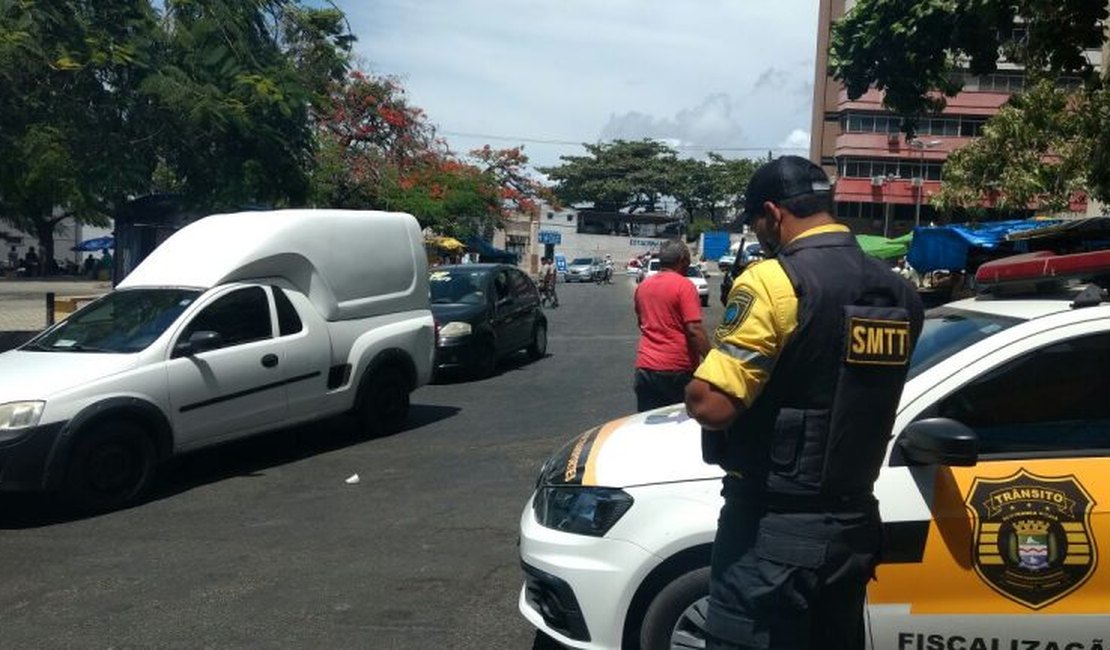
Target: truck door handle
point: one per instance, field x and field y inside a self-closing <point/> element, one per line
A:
<point x="270" y="360"/>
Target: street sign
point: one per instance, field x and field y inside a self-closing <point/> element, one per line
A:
<point x="550" y="237"/>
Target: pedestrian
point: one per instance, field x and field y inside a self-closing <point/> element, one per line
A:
<point x="672" y="338"/>
<point x="547" y="283"/>
<point x="13" y="259"/>
<point x="796" y="403"/>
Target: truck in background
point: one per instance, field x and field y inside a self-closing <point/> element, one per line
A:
<point x="235" y="325"/>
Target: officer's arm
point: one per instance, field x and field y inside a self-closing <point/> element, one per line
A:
<point x="711" y="407"/>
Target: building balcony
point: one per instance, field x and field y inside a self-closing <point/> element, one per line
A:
<point x="898" y="191"/>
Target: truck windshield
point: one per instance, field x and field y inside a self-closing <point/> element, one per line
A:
<point x="948" y="330"/>
<point x="120" y="322"/>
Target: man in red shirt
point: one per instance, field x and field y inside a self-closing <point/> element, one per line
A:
<point x="672" y="339"/>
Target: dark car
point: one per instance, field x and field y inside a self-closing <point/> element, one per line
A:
<point x="483" y="313"/>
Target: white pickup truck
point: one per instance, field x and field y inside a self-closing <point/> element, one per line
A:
<point x="236" y="324"/>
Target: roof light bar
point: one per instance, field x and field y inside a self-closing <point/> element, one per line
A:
<point x="1044" y="265"/>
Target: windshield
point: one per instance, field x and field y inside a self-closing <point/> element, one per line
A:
<point x="948" y="330"/>
<point x="653" y="265"/>
<point x="693" y="272"/>
<point x="120" y="322"/>
<point x="582" y="261"/>
<point x="458" y="286"/>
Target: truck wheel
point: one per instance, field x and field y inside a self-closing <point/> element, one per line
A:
<point x="676" y="617"/>
<point x="385" y="403"/>
<point x="538" y="348"/>
<point x="109" y="467"/>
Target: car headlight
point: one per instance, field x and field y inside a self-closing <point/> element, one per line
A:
<point x="454" y="329"/>
<point x="15" y="417"/>
<point x="580" y="510"/>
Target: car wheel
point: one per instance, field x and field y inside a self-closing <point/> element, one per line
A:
<point x="485" y="362"/>
<point x="675" y="620"/>
<point x="538" y="348"/>
<point x="109" y="467"/>
<point x="384" y="406"/>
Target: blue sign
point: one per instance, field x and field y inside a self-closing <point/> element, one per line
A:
<point x="560" y="263"/>
<point x="550" y="237"/>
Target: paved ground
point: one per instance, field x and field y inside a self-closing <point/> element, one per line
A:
<point x="263" y="544"/>
<point x="23" y="302"/>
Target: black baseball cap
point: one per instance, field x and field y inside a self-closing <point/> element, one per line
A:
<point x="780" y="179"/>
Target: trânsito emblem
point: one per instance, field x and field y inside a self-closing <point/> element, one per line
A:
<point x="1032" y="536"/>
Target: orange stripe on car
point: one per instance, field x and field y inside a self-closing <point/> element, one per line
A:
<point x="590" y="477"/>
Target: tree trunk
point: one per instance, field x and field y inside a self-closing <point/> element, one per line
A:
<point x="44" y="232"/>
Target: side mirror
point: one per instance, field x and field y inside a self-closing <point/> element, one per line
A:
<point x="199" y="341"/>
<point x="939" y="441"/>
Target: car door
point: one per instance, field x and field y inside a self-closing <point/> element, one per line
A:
<point x="1010" y="552"/>
<point x="505" y="317"/>
<point x="235" y="388"/>
<point x="526" y="304"/>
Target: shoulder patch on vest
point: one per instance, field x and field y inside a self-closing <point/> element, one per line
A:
<point x="736" y="310"/>
<point x="876" y="342"/>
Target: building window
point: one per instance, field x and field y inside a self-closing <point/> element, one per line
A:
<point x="550" y="215"/>
<point x="888" y="168"/>
<point x="570" y="218"/>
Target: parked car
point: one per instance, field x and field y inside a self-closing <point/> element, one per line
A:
<point x="651" y="268"/>
<point x="483" y="313"/>
<point x="583" y="269"/>
<point x="694" y="274"/>
<point x="995" y="494"/>
<point x="236" y="324"/>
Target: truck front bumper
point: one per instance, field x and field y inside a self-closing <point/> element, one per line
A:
<point x="24" y="460"/>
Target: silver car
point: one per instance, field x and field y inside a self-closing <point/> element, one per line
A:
<point x="582" y="269"/>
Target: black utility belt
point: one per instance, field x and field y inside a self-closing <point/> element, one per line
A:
<point x="820" y="503"/>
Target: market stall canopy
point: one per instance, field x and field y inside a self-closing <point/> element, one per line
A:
<point x="97" y="244"/>
<point x="947" y="247"/>
<point x="885" y="248"/>
<point x="445" y="243"/>
<point x="488" y="253"/>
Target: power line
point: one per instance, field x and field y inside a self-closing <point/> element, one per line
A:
<point x="699" y="147"/>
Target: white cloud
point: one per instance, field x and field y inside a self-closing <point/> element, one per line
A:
<point x="716" y="73"/>
<point x="797" y="140"/>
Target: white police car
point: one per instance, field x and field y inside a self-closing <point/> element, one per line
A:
<point x="995" y="494"/>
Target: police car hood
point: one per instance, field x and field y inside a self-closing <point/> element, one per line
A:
<point x="660" y="446"/>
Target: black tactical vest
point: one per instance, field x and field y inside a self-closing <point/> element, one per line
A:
<point x="817" y="434"/>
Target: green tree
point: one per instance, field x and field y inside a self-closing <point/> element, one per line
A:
<point x="1034" y="151"/>
<point x="916" y="51"/>
<point x="72" y="144"/>
<point x="619" y="175"/>
<point x="233" y="90"/>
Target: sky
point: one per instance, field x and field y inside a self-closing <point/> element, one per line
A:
<point x="733" y="76"/>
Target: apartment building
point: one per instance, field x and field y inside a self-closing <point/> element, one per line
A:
<point x="884" y="181"/>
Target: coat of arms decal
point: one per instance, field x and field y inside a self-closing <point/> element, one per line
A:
<point x="1032" y="536"/>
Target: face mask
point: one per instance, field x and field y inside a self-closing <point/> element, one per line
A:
<point x="770" y="236"/>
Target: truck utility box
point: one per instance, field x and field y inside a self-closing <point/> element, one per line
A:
<point x="236" y="324"/>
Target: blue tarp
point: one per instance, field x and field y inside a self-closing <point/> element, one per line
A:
<point x="946" y="247"/>
<point x="716" y="244"/>
<point x="487" y="252"/>
<point x="100" y="243"/>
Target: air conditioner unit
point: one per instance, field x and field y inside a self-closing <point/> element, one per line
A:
<point x="877" y="181"/>
<point x="918" y="181"/>
<point x="892" y="138"/>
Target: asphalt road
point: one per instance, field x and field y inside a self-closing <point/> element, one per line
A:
<point x="263" y="544"/>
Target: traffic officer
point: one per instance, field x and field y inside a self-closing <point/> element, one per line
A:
<point x="796" y="402"/>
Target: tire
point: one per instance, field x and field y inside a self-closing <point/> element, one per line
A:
<point x="705" y="300"/>
<point x="109" y="467"/>
<point x="485" y="365"/>
<point x="538" y="348"/>
<point x="676" y="617"/>
<point x="384" y="406"/>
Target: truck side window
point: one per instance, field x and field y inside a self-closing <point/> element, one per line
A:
<point x="289" y="322"/>
<point x="239" y="317"/>
<point x="1054" y="399"/>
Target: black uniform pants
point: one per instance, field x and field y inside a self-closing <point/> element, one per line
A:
<point x="659" y="388"/>
<point x="790" y="580"/>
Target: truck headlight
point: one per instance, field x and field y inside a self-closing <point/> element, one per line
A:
<point x="455" y="329"/>
<point x="580" y="510"/>
<point x="15" y="417"/>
